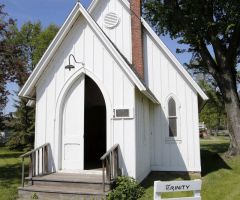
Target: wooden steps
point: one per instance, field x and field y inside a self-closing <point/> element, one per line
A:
<point x="65" y="186"/>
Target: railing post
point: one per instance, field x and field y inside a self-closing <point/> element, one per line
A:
<point x="35" y="159"/>
<point x="103" y="169"/>
<point x="30" y="166"/>
<point x="110" y="165"/>
<point x="113" y="165"/>
<point x="117" y="162"/>
<point x="22" y="171"/>
<point x="43" y="169"/>
<point x="107" y="169"/>
<point x="38" y="163"/>
<point x="46" y="159"/>
<point x="34" y="164"/>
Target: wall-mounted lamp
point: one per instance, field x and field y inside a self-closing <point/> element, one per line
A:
<point x="69" y="66"/>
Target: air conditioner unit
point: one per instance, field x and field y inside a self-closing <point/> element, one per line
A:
<point x="122" y="113"/>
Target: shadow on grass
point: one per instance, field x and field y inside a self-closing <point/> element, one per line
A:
<point x="10" y="179"/>
<point x="210" y="159"/>
<point x="10" y="173"/>
<point x="163" y="176"/>
<point x="211" y="162"/>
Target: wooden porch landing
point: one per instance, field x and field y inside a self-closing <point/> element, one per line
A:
<point x="65" y="186"/>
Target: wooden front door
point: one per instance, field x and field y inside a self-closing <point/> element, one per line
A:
<point x="73" y="127"/>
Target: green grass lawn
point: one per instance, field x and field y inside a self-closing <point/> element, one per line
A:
<point x="10" y="173"/>
<point x="221" y="176"/>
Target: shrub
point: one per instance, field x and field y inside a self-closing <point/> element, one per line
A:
<point x="126" y="188"/>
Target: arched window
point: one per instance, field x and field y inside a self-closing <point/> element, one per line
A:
<point x="172" y="117"/>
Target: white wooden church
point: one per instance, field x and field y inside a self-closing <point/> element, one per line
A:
<point x="107" y="79"/>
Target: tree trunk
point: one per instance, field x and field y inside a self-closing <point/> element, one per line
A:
<point x="232" y="106"/>
<point x="233" y="114"/>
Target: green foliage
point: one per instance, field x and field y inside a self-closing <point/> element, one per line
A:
<point x="192" y="21"/>
<point x="6" y="55"/>
<point x="213" y="114"/>
<point x="21" y="126"/>
<point x="42" y="41"/>
<point x="210" y="30"/>
<point x="24" y="39"/>
<point x="126" y="189"/>
<point x="34" y="196"/>
<point x="32" y="40"/>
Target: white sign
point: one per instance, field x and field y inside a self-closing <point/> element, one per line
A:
<point x="178" y="186"/>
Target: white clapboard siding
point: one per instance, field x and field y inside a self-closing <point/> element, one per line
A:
<point x="164" y="79"/>
<point x="143" y="137"/>
<point x="83" y="42"/>
<point x="121" y="35"/>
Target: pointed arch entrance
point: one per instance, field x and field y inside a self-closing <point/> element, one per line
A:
<point x="84" y="126"/>
<point x="94" y="125"/>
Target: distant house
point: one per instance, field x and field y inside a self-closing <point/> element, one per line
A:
<point x="203" y="130"/>
<point x="4" y="136"/>
<point x="108" y="79"/>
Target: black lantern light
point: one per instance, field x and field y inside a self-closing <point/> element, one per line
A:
<point x="69" y="66"/>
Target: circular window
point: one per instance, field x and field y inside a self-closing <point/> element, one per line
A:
<point x="111" y="20"/>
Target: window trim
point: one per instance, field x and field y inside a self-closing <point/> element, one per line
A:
<point x="168" y="138"/>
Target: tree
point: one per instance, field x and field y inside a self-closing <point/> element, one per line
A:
<point x="213" y="114"/>
<point x="21" y="125"/>
<point x="42" y="41"/>
<point x="211" y="29"/>
<point x="7" y="50"/>
<point x="32" y="40"/>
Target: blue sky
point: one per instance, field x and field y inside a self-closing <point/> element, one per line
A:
<point x="56" y="11"/>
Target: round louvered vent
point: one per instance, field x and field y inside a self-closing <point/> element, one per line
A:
<point x="111" y="20"/>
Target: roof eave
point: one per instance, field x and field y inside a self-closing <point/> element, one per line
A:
<point x="29" y="86"/>
<point x="94" y="3"/>
<point x="175" y="61"/>
<point x="26" y="90"/>
<point x="168" y="52"/>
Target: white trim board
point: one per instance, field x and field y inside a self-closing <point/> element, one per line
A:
<point x="95" y="2"/>
<point x="26" y="90"/>
<point x="174" y="60"/>
<point x="41" y="66"/>
<point x="164" y="48"/>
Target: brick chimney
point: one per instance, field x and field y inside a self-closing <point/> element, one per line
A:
<point x="137" y="43"/>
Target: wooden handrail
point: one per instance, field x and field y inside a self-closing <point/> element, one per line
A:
<point x="110" y="164"/>
<point x="36" y="156"/>
<point x="109" y="151"/>
<point x="34" y="150"/>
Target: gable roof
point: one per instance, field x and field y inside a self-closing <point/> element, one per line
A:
<point x="164" y="48"/>
<point x="29" y="86"/>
